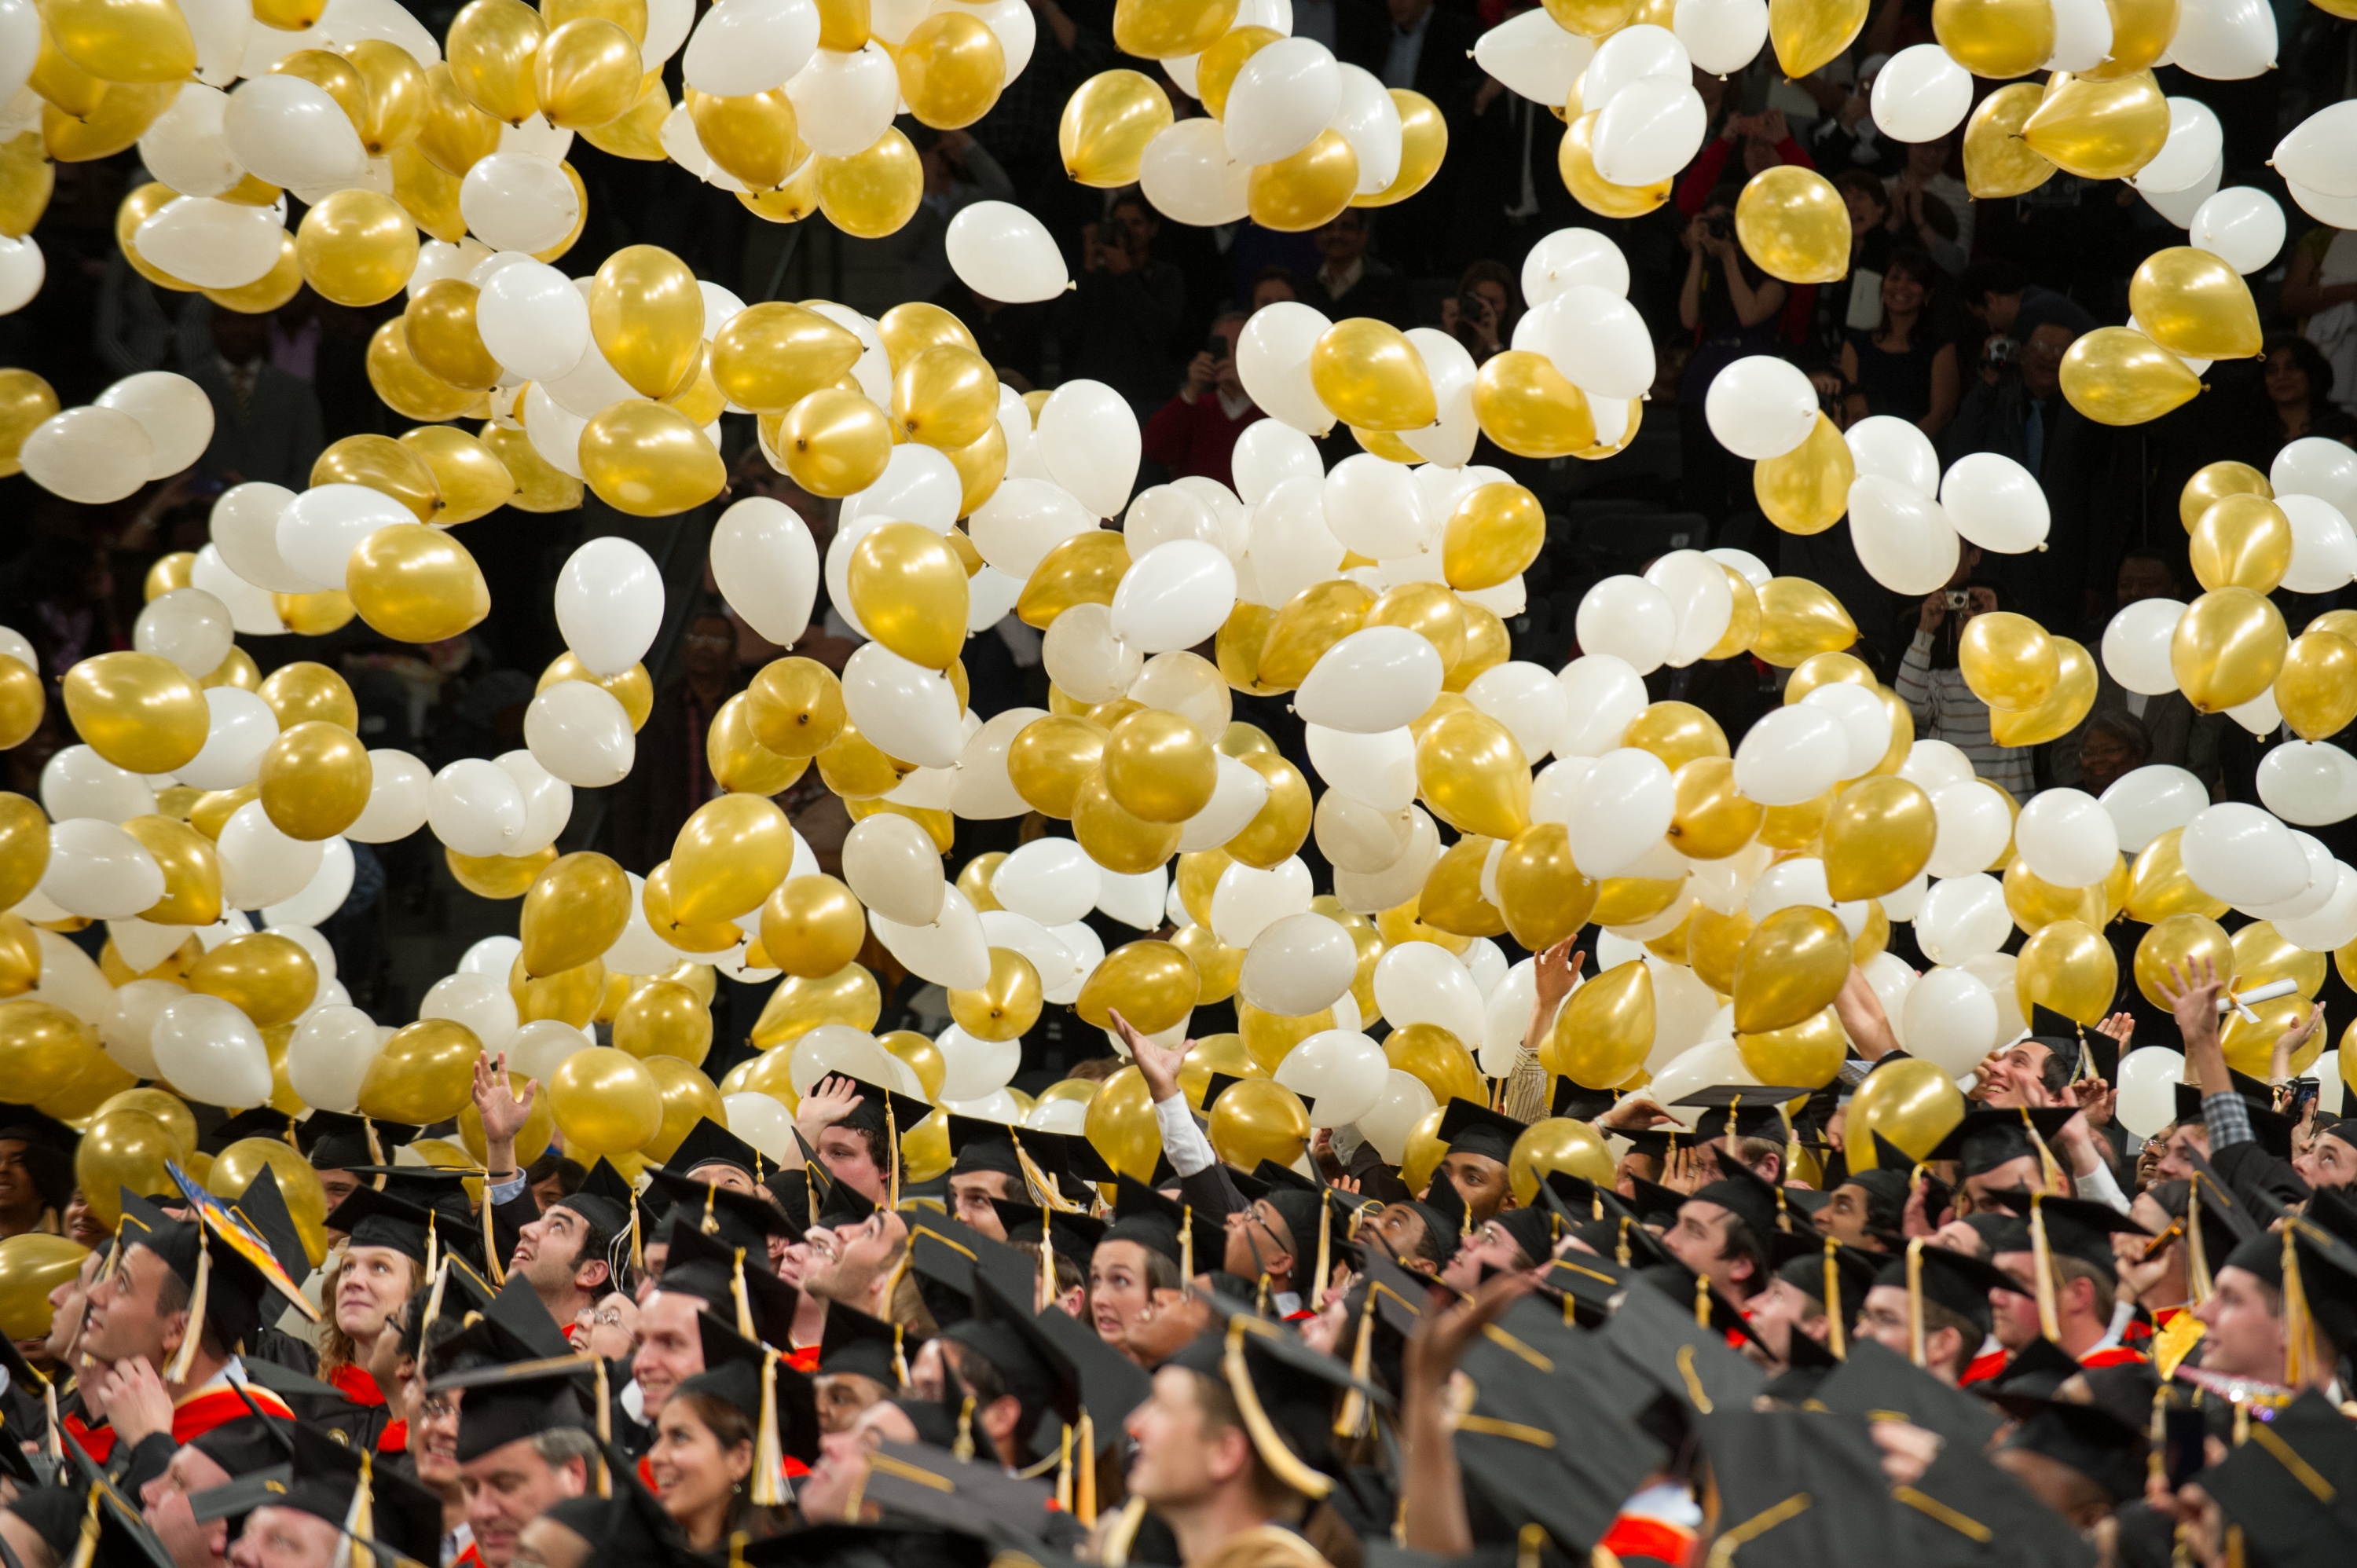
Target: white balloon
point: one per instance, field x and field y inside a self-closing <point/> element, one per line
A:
<point x="1284" y="95"/>
<point x="1597" y="339"/>
<point x="1721" y="35"/>
<point x="1089" y="438"/>
<point x="98" y="871"/>
<point x="78" y="782"/>
<point x="1247" y="900"/>
<point x="1236" y="799"/>
<point x="2148" y="802"/>
<point x="1651" y="129"/>
<point x="130" y="1022"/>
<point x="22" y="272"/>
<point x="476" y="1001"/>
<point x="2333" y="925"/>
<point x="581" y="733"/>
<point x="1374" y="507"/>
<point x="288" y="131"/>
<point x="1366" y="117"/>
<point x="211" y="1051"/>
<point x="1268" y="453"/>
<point x="1570" y="256"/>
<point x="1428" y="986"/>
<point x="1627" y="57"/>
<point x="475" y="807"/>
<point x="94" y="456"/>
<point x="1974" y="828"/>
<point x="1603" y="693"/>
<point x="1174" y="595"/>
<point x="1789" y="755"/>
<point x="1760" y="407"/>
<point x="2224" y="40"/>
<point x="1902" y="536"/>
<point x="1994" y="503"/>
<point x="1700" y="600"/>
<point x="1621" y="811"/>
<point x="1528" y="700"/>
<point x="1962" y="918"/>
<point x="949" y="952"/>
<point x="532" y="320"/>
<point x="398" y="790"/>
<point x="245" y="533"/>
<point x="1894" y="449"/>
<point x="745" y="47"/>
<point x="321" y="527"/>
<point x="1340" y="1074"/>
<point x="842" y="101"/>
<point x="2195" y="140"/>
<point x="241" y="729"/>
<point x="2243" y="855"/>
<point x="20" y="45"/>
<point x="1002" y="253"/>
<point x="2323" y="545"/>
<point x="188" y="627"/>
<point x="1535" y="57"/>
<point x="1048" y="880"/>
<point x="2320" y="153"/>
<point x="2135" y="646"/>
<point x="1025" y="519"/>
<point x="1921" y="95"/>
<point x="210" y="242"/>
<point x="2315" y="465"/>
<point x="2243" y="225"/>
<point x="1188" y="174"/>
<point x="319" y="898"/>
<point x="1866" y="723"/>
<point x="1377" y="679"/>
<point x="609" y="604"/>
<point x="1272" y="360"/>
<point x="908" y="711"/>
<point x="1629" y="619"/>
<point x="517" y="201"/>
<point x="2066" y="837"/>
<point x="2149" y="1077"/>
<point x="1951" y="1020"/>
<point x="2180" y="206"/>
<point x="1377" y="769"/>
<point x="1289" y="546"/>
<point x="766" y="564"/>
<point x="1298" y="965"/>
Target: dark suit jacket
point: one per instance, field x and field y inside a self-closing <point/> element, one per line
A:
<point x="2180" y="737"/>
<point x="1416" y="236"/>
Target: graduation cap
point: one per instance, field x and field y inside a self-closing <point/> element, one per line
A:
<point x="1038" y="1162"/>
<point x="1712" y="1308"/>
<point x="777" y="1399"/>
<point x="456" y="1291"/>
<point x="374" y="1219"/>
<point x="1807" y="1363"/>
<point x="629" y="1526"/>
<point x="1579" y="1102"/>
<point x="915" y="1481"/>
<point x="1836" y="1276"/>
<point x="1286" y="1391"/>
<point x="1469" y="1127"/>
<point x="230" y="1268"/>
<point x="710" y="1143"/>
<point x="1072" y="1234"/>
<point x="1653" y="1203"/>
<point x="262" y="1122"/>
<point x="335" y="1142"/>
<point x="1797" y="1490"/>
<point x="1589" y="1284"/>
<point x="333" y="1481"/>
<point x="1954" y="1280"/>
<point x="1532" y="1230"/>
<point x="508" y="1402"/>
<point x="1167" y="1226"/>
<point x="1743" y="1109"/>
<point x="2293" y="1486"/>
<point x="608" y="1201"/>
<point x="1963" y="1509"/>
<point x="2037" y="1372"/>
<point x="262" y="1205"/>
<point x="1878" y="1382"/>
<point x="2072" y="1227"/>
<point x="436" y="1190"/>
<point x="828" y="1201"/>
<point x="859" y="1344"/>
<point x="996" y="1331"/>
<point x="734" y="1282"/>
<point x="2271" y="1127"/>
<point x="1743" y="1194"/>
<point x="944" y="1256"/>
<point x="1985" y="1139"/>
<point x="1092" y="1387"/>
<point x="882" y="1111"/>
<point x="732" y="1219"/>
<point x="2086" y="1438"/>
<point x="1657" y="1334"/>
<point x="1603" y="1220"/>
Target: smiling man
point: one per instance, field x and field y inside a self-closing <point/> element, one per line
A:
<point x="524" y="1444"/>
<point x="577" y="1251"/>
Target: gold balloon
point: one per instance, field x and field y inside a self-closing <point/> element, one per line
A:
<point x="1435" y="1058"/>
<point x="1084" y="569"/>
<point x="439" y="323"/>
<point x="316" y="778"/>
<point x="424" y="1074"/>
<point x="849" y="996"/>
<point x="795" y="706"/>
<point x="167" y="1110"/>
<point x="1369" y="376"/>
<point x="238" y="1166"/>
<point x="121" y="1149"/>
<point x="455" y="135"/>
<point x="2194" y="305"/>
<point x="382" y="465"/>
<point x="1804" y="1055"/>
<point x="605" y="1100"/>
<point x="772" y="356"/>
<point x="871" y="194"/>
<point x="575" y="912"/>
<point x="911" y="328"/>
<point x="1258" y="1119"/>
<point x="269" y="978"/>
<point x="1429" y="610"/>
<point x="2250" y="1046"/>
<point x="357" y="247"/>
<point x="2316" y="690"/>
<point x="1003" y="1006"/>
<point x="135" y="209"/>
<point x="908" y="588"/>
<point x="1119" y="1125"/>
<point x="1219" y="968"/>
<point x="303" y="690"/>
<point x="585" y="73"/>
<point x="833" y="442"/>
<point x="1807" y="35"/>
<point x="121" y="118"/>
<point x="20" y="956"/>
<point x="2067" y="966"/>
<point x="945" y="397"/>
<point x="1791" y="966"/>
<point x="1151" y="983"/>
<point x="1799" y="619"/>
<point x="312" y="615"/>
<point x="1215" y="71"/>
<point x="2180" y="941"/>
<point x="332" y="74"/>
<point x="1307" y="189"/>
<point x="2241" y="541"/>
<point x="1677" y="732"/>
<point x="1051" y="758"/>
<point x="812" y="926"/>
<point x="540" y="486"/>
<point x="394" y="92"/>
<point x="1116" y="838"/>
<point x="469" y="480"/>
<point x="1541" y="893"/>
<point x="25" y="400"/>
<point x="137" y="711"/>
<point x="637" y="133"/>
<point x="1472" y="773"/>
<point x="650" y="460"/>
<point x="2008" y="661"/>
<point x="1159" y="767"/>
<point x="22" y="702"/>
<point x="2099" y="128"/>
<point x="498" y="876"/>
<point x="665" y="1019"/>
<point x="1601" y="1035"/>
<point x="855" y="768"/>
<point x="1795" y="225"/>
<point x="1592" y="19"/>
<point x="1997" y="162"/>
<point x="2215" y="482"/>
<point x="27" y="181"/>
<point x="688" y="1098"/>
<point x="2228" y="648"/>
<point x="2262" y="955"/>
<point x="1996" y="38"/>
<point x="122" y="40"/>
<point x="754" y="137"/>
<point x="952" y="68"/>
<point x="2065" y="706"/>
<point x="1711" y="818"/>
<point x="1157" y="29"/>
<point x="32" y="1264"/>
<point x="416" y="584"/>
<point x="1106" y="125"/>
<point x="1494" y="535"/>
<point x="1909" y="1102"/>
<point x="43" y="1048"/>
<point x="729" y="854"/>
<point x="492" y="46"/>
<point x="1282" y="823"/>
<point x="1878" y="836"/>
<point x="1557" y="1144"/>
<point x="408" y="388"/>
<point x="1310" y="623"/>
<point x="268" y="293"/>
<point x="238" y="669"/>
<point x="1424" y="143"/>
<point x="170" y="572"/>
<point x="1452" y="899"/>
<point x="1575" y="161"/>
<point x="1806" y="491"/>
<point x="646" y="314"/>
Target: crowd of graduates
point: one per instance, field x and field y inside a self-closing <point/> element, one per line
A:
<point x="1762" y="1344"/>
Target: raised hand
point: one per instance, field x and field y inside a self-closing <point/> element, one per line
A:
<point x="829" y="1102"/>
<point x="2192" y="997"/>
<point x="1159" y="1065"/>
<point x="504" y="1113"/>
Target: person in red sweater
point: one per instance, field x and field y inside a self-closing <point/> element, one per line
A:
<point x="1195" y="432"/>
<point x="1767" y="142"/>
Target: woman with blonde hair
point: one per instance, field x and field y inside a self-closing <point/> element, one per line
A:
<point x="382" y="1266"/>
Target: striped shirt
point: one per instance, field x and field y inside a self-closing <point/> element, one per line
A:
<point x="1945" y="709"/>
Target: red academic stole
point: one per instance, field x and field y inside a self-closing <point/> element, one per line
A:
<point x="804" y="1359"/>
<point x="1985" y="1366"/>
<point x="192" y="1417"/>
<point x="1634" y="1535"/>
<point x="394" y="1438"/>
<point x="356" y="1385"/>
<point x="470" y="1558"/>
<point x="2113" y="1356"/>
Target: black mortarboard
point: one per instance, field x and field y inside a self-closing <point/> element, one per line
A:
<point x="2271" y="1127"/>
<point x="508" y="1402"/>
<point x="334" y="1141"/>
<point x="738" y="1283"/>
<point x="1999" y="1232"/>
<point x="2074" y="1227"/>
<point x="1797" y="1488"/>
<point x="1711" y="1306"/>
<point x="1658" y="1335"/>
<point x="262" y="1122"/>
<point x="373" y="1219"/>
<point x="1469" y="1127"/>
<point x="1653" y="1203"/>
<point x="1876" y="1379"/>
<point x="440" y="1191"/>
<point x="710" y="1143"/>
<point x="2293" y="1488"/>
<point x="997" y="1330"/>
<point x="249" y="1444"/>
<point x="462" y="1292"/>
<point x="1744" y="1195"/>
<point x="943" y="1257"/>
<point x="1286" y="1391"/>
<point x="2090" y="1440"/>
<point x="762" y="1383"/>
<point x="746" y="1220"/>
<point x="1956" y="1281"/>
<point x="1965" y="1510"/>
<point x="262" y="1205"/>
<point x="880" y="1109"/>
<point x="1662" y="1141"/>
<point x="1807" y="1363"/>
<point x="325" y="1484"/>
<point x="1835" y="1275"/>
<point x="1748" y="1110"/>
<point x="1087" y="1379"/>
<point x="235" y="1265"/>
<point x="1075" y="1236"/>
<point x="2031" y="1378"/>
<point x="1985" y="1139"/>
<point x="919" y="1482"/>
<point x="1591" y="1284"/>
<point x="978" y="1145"/>
<point x="1143" y="1216"/>
<point x="1603" y="1218"/>
<point x="606" y="1199"/>
<point x="1534" y="1230"/>
<point x="628" y="1527"/>
<point x="862" y="1343"/>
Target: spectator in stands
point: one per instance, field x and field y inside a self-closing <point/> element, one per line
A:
<point x="2298" y="385"/>
<point x="1855" y="302"/>
<point x="1196" y="431"/>
<point x="1349" y="281"/>
<point x="2320" y="286"/>
<point x="1934" y="689"/>
<point x="2172" y="732"/>
<point x="1731" y="307"/>
<point x="1846" y="137"/>
<point x="1273" y="285"/>
<point x="1995" y="294"/>
<point x="1481" y="313"/>
<point x="1930" y="207"/>
<point x="1429" y="48"/>
<point x="1118" y="326"/>
<point x="265" y="422"/>
<point x="1905" y="367"/>
<point x="959" y="171"/>
<point x="1767" y="142"/>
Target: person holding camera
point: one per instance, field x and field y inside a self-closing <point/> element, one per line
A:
<point x="1196" y="432"/>
<point x="1933" y="688"/>
<point x="1731" y="307"/>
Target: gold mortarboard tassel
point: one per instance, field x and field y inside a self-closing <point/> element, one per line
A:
<point x="963" y="1448"/>
<point x="1915" y="1352"/>
<point x="1186" y="1244"/>
<point x="892" y="1154"/>
<point x="769" y="1489"/>
<point x="433" y="1306"/>
<point x="2049" y="1168"/>
<point x="2042" y="1260"/>
<point x="193" y="1336"/>
<point x="376" y="1151"/>
<point x="638" y="1240"/>
<point x="87" y="1547"/>
<point x="899" y="1355"/>
<point x="1085" y="1503"/>
<point x="2197" y="1250"/>
<point x="711" y="1224"/>
<point x="1064" y="1470"/>
<point x="1325" y="1254"/>
<point x="1282" y="1461"/>
<point x="604" y="1425"/>
<point x="1043" y="1186"/>
<point x="1047" y="1259"/>
<point x="2297" y="1347"/>
<point x="1702" y="1301"/>
<point x="432" y="1246"/>
<point x="1352" y="1421"/>
<point x="1836" y="1340"/>
<point x="1620" y="1243"/>
<point x="360" y="1518"/>
<point x="493" y="1267"/>
<point x="744" y="1298"/>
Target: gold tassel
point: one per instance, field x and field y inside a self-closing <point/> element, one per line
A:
<point x="1043" y="1186"/>
<point x="497" y="1269"/>
<point x="963" y="1448"/>
<point x="1085" y="1502"/>
<point x="1530" y="1546"/>
<point x="2197" y="1250"/>
<point x="1620" y="1245"/>
<point x="899" y="1355"/>
<point x="2049" y="1168"/>
<point x="1325" y="1256"/>
<point x="711" y="1226"/>
<point x="87" y="1547"/>
<point x="375" y="1148"/>
<point x="605" y="1425"/>
<point x="744" y="1298"/>
<point x="192" y="1337"/>
<point x="1186" y="1244"/>
<point x="57" y="1448"/>
<point x="1282" y="1461"/>
<point x="433" y="1307"/>
<point x="892" y="1153"/>
<point x="1702" y="1301"/>
<point x="2296" y="1335"/>
<point x="1047" y="1259"/>
<point x="1064" y="1471"/>
<point x="1915" y="1352"/>
<point x="1353" y="1421"/>
<point x="769" y="1489"/>
<point x="361" y="1518"/>
<point x="638" y="1241"/>
<point x="433" y="1245"/>
<point x="2042" y="1260"/>
<point x="1836" y="1340"/>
